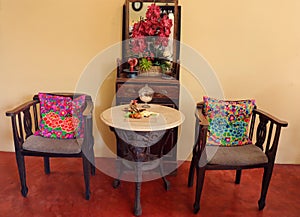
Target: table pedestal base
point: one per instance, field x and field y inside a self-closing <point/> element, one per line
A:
<point x="139" y="167"/>
<point x="139" y="158"/>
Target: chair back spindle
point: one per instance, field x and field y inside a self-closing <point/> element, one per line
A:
<point x="270" y="132"/>
<point x="251" y="130"/>
<point x="27" y="123"/>
<point x="18" y="140"/>
<point x="35" y="115"/>
<point x="20" y="124"/>
<point x="273" y="150"/>
<point x="261" y="132"/>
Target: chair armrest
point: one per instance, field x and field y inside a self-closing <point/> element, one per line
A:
<point x="21" y="108"/>
<point x="270" y="117"/>
<point x="21" y="119"/>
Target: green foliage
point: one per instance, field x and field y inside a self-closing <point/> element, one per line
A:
<point x="165" y="66"/>
<point x="145" y="64"/>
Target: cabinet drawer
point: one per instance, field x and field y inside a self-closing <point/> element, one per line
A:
<point x="160" y="91"/>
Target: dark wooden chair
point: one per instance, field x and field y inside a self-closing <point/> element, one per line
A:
<point x="25" y="121"/>
<point x="259" y="154"/>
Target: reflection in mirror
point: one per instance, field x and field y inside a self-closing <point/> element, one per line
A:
<point x="148" y="32"/>
<point x="137" y="6"/>
<point x="135" y="17"/>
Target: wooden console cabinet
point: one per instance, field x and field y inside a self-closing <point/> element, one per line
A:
<point x="166" y="90"/>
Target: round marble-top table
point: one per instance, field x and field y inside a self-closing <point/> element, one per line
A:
<point x="167" y="118"/>
<point x="141" y="134"/>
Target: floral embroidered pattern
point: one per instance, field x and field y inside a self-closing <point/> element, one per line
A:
<point x="61" y="117"/>
<point x="228" y="121"/>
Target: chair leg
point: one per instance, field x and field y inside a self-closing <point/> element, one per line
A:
<point x="238" y="174"/>
<point x="22" y="173"/>
<point x="86" y="173"/>
<point x="265" y="185"/>
<point x="92" y="163"/>
<point x="46" y="165"/>
<point x="93" y="170"/>
<point x="191" y="173"/>
<point x="200" y="174"/>
<point x="120" y="166"/>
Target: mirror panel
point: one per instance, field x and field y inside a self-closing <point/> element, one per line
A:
<point x="135" y="16"/>
<point x="135" y="11"/>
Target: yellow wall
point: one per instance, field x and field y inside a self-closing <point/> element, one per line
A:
<point x="253" y="46"/>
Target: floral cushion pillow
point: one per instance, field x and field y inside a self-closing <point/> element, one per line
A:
<point x="61" y="117"/>
<point x="228" y="121"/>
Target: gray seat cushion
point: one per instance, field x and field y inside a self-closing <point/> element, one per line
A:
<point x="48" y="145"/>
<point x="234" y="155"/>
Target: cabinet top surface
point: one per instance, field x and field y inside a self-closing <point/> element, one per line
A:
<point x="166" y="118"/>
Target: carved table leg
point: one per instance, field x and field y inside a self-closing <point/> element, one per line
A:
<point x="139" y="153"/>
<point x="116" y="182"/>
<point x="137" y="204"/>
<point x="166" y="182"/>
<point x="138" y="187"/>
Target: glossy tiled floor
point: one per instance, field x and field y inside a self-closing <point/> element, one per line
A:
<point x="61" y="193"/>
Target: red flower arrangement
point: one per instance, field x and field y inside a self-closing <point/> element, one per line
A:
<point x="150" y="36"/>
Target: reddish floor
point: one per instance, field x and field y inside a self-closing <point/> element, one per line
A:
<point x="61" y="193"/>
